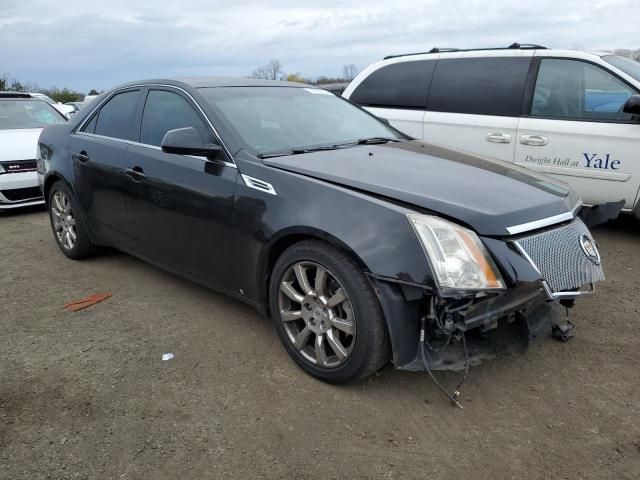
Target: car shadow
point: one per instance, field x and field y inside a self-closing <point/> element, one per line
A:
<point x="14" y="212"/>
<point x="625" y="224"/>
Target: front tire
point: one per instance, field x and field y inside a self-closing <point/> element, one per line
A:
<point x="327" y="314"/>
<point x="67" y="224"/>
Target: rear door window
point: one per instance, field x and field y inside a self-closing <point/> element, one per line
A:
<point x="480" y="86"/>
<point x="576" y="90"/>
<point x="164" y="111"/>
<point x="117" y="117"/>
<point x="399" y="85"/>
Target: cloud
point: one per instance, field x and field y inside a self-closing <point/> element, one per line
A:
<point x="88" y="44"/>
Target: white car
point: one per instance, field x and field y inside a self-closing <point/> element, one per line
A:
<point x="61" y="107"/>
<point x="89" y="98"/>
<point x="572" y="115"/>
<point x="22" y="117"/>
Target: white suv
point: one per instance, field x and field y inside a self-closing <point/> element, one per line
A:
<point x="569" y="114"/>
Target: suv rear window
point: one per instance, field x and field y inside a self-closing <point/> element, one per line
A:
<point x="399" y="85"/>
<point x="480" y="86"/>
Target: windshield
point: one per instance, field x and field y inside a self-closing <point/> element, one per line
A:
<point x="284" y="119"/>
<point x="18" y="114"/>
<point x="628" y="66"/>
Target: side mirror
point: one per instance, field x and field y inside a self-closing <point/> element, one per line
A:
<point x="632" y="105"/>
<point x="187" y="141"/>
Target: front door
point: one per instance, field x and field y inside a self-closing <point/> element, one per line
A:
<point x="180" y="207"/>
<point x="576" y="131"/>
<point x="98" y="153"/>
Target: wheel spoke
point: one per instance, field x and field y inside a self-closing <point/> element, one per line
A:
<point x="303" y="280"/>
<point x="344" y="325"/>
<point x="321" y="280"/>
<point x="72" y="233"/>
<point x="321" y="355"/>
<point x="337" y="298"/>
<point x="289" y="291"/>
<point x="334" y="340"/>
<point x="71" y="221"/>
<point x="301" y="338"/>
<point x="56" y="200"/>
<point x="290" y="315"/>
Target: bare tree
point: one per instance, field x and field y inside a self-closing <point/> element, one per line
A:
<point x="625" y="52"/>
<point x="349" y="72"/>
<point x="270" y="71"/>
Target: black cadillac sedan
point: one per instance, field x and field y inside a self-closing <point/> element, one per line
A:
<point x="361" y="244"/>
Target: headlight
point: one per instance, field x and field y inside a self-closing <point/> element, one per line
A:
<point x="458" y="258"/>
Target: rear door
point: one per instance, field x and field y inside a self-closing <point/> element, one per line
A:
<point x="574" y="130"/>
<point x="475" y="102"/>
<point x="180" y="207"/>
<point x="398" y="93"/>
<point x="98" y="151"/>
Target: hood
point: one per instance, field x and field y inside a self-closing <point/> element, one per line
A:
<point x="487" y="195"/>
<point x="19" y="144"/>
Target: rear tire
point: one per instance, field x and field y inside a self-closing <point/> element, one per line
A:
<point x="67" y="223"/>
<point x="327" y="314"/>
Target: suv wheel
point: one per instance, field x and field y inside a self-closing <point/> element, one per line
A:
<point x="327" y="314"/>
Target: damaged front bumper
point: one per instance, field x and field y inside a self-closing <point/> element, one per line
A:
<point x="546" y="271"/>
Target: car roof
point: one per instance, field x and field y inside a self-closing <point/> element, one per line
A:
<point x="204" y="82"/>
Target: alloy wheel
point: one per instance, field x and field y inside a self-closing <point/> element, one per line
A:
<point x="64" y="223"/>
<point x="317" y="314"/>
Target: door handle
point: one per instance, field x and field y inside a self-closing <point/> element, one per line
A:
<point x="498" y="137"/>
<point x="136" y="173"/>
<point x="81" y="156"/>
<point x="533" y="140"/>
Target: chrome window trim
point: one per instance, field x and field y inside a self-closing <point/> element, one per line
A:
<point x="544" y="222"/>
<point x="143" y="85"/>
<point x="153" y="147"/>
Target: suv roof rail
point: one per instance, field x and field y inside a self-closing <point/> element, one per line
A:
<point x="14" y="95"/>
<point x="513" y="46"/>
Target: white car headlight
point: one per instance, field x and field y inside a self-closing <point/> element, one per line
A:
<point x="459" y="259"/>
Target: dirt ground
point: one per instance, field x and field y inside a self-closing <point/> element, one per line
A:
<point x="86" y="394"/>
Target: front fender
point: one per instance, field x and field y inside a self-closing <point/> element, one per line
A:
<point x="375" y="231"/>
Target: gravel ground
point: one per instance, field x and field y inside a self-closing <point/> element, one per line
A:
<point x="86" y="394"/>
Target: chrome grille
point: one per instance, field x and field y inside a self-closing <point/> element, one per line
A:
<point x="559" y="258"/>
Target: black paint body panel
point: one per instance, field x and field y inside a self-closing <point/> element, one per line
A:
<point x="198" y="218"/>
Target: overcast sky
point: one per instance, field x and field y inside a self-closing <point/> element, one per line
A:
<point x="85" y="44"/>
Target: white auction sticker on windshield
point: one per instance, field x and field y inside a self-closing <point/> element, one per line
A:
<point x="318" y="91"/>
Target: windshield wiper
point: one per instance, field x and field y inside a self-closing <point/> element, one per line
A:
<point x="297" y="151"/>
<point x="376" y="140"/>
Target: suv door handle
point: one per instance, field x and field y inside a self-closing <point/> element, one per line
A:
<point x="534" y="140"/>
<point x="81" y="156"/>
<point x="498" y="137"/>
<point x="136" y="173"/>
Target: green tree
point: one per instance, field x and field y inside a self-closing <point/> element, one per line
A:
<point x="16" y="86"/>
<point x="93" y="92"/>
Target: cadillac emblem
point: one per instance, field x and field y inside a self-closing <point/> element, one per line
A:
<point x="590" y="250"/>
